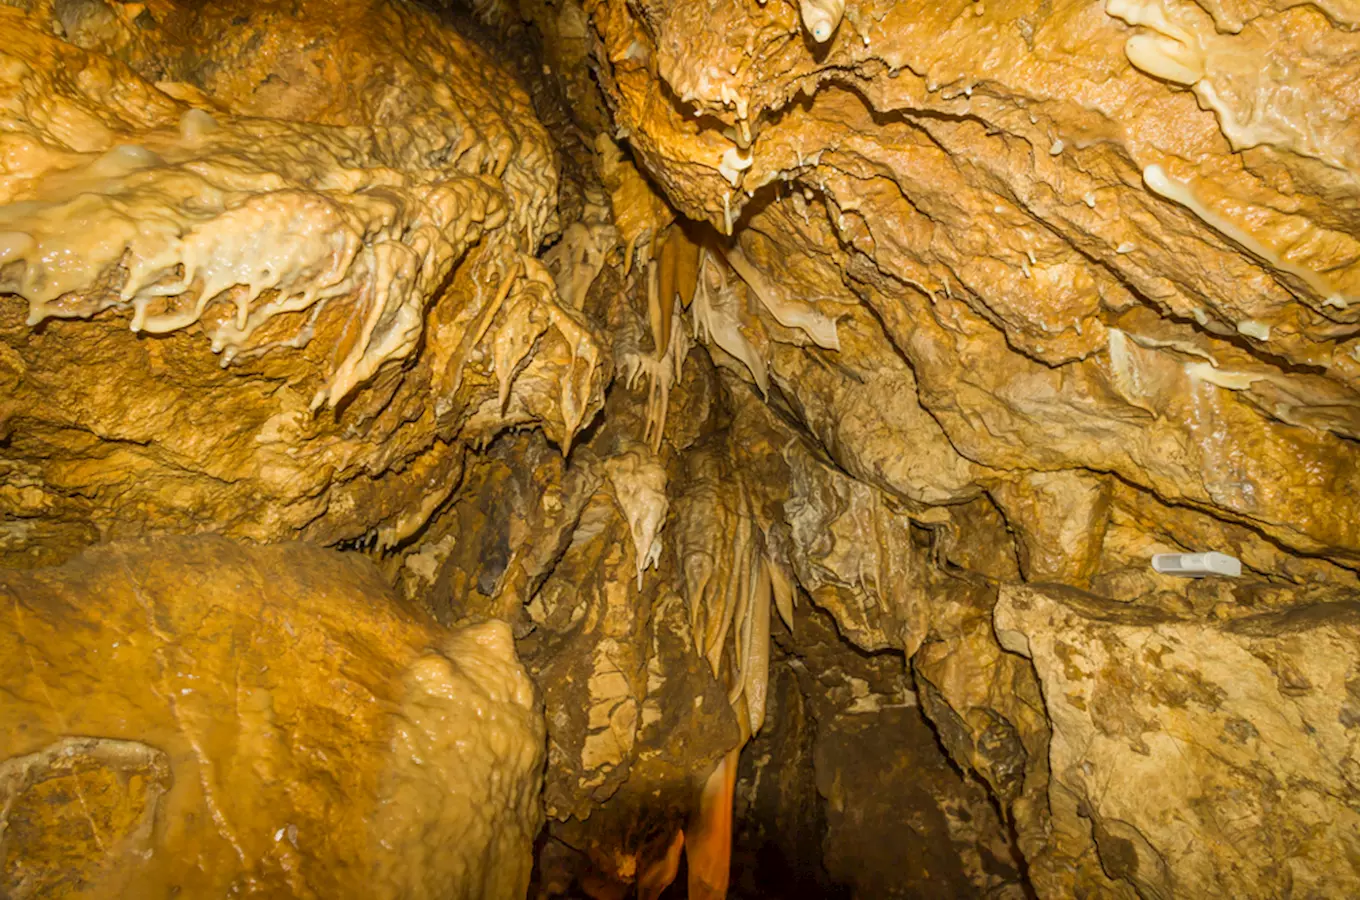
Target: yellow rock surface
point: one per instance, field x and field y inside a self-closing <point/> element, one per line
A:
<point x="186" y="716"/>
<point x="296" y="232"/>
<point x="1167" y="729"/>
<point x="933" y="322"/>
<point x="1086" y="260"/>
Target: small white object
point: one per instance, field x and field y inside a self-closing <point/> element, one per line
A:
<point x="1196" y="565"/>
<point x="821" y="17"/>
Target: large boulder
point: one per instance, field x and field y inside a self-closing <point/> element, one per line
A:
<point x="188" y="716"/>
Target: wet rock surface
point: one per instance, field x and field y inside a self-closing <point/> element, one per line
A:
<point x="289" y="244"/>
<point x="188" y="716"/>
<point x="805" y="387"/>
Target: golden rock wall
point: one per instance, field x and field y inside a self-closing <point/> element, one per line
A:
<point x="932" y="323"/>
<point x="251" y="251"/>
<point x="185" y="716"/>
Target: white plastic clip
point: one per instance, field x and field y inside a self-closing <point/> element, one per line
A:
<point x="1196" y="565"/>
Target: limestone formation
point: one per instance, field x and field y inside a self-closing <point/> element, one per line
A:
<point x="305" y="255"/>
<point x="1168" y="730"/>
<point x="803" y="386"/>
<point x="184" y="716"/>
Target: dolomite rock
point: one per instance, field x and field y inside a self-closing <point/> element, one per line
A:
<point x="271" y="268"/>
<point x="190" y="716"/>
<point x="1204" y="756"/>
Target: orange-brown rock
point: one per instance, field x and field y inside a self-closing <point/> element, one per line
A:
<point x="1023" y="292"/>
<point x="935" y="322"/>
<point x="270" y="267"/>
<point x="1084" y="265"/>
<point x="187" y="716"/>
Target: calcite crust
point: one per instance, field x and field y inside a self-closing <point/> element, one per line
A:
<point x="933" y="322"/>
<point x="302" y="236"/>
<point x="190" y="716"/>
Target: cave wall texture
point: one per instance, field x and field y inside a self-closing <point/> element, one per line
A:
<point x="715" y="448"/>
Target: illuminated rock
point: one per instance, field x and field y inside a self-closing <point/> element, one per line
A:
<point x="189" y="716"/>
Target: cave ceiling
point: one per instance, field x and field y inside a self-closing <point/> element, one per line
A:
<point x="679" y="448"/>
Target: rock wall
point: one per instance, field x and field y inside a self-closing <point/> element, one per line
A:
<point x="1081" y="269"/>
<point x="1031" y="292"/>
<point x="185" y="716"/>
<point x="1167" y="731"/>
<point x="289" y="244"/>
<point x="718" y="347"/>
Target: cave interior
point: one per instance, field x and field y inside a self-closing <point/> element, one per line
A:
<point x="680" y="448"/>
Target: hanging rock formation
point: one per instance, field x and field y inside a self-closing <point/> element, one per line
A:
<point x="296" y="247"/>
<point x="806" y="387"/>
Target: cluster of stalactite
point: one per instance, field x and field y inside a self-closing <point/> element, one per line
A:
<point x="795" y="393"/>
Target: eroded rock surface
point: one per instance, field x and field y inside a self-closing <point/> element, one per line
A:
<point x="186" y="716"/>
<point x="1023" y="293"/>
<point x="272" y="267"/>
<point x="932" y="322"/>
<point x="1082" y="268"/>
<point x="1168" y="730"/>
